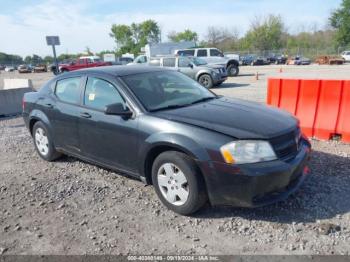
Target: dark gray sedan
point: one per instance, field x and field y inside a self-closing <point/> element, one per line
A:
<point x="164" y="128"/>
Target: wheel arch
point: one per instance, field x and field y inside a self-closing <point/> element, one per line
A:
<point x="179" y="144"/>
<point x="35" y="116"/>
<point x="202" y="72"/>
<point x="232" y="62"/>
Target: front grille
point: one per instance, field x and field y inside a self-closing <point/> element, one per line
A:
<point x="287" y="145"/>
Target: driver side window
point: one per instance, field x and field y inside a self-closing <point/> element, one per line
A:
<point x="99" y="93"/>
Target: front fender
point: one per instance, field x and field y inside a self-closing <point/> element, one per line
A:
<point x="176" y="141"/>
<point x="233" y="62"/>
<point x="201" y="72"/>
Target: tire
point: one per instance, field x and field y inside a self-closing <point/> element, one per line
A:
<point x="206" y="81"/>
<point x="43" y="142"/>
<point x="182" y="176"/>
<point x="232" y="70"/>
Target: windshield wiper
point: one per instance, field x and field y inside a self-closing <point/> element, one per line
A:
<point x="169" y="107"/>
<point x="203" y="99"/>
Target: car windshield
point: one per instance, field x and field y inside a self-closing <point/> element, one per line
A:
<point x="166" y="89"/>
<point x="198" y="61"/>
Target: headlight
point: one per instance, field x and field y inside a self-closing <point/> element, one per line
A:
<point x="214" y="73"/>
<point x="247" y="151"/>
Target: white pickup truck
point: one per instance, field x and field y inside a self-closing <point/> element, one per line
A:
<point x="213" y="56"/>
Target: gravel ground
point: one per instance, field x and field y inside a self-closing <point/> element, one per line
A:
<point x="71" y="207"/>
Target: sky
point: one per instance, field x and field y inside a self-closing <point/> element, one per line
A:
<point x="87" y="23"/>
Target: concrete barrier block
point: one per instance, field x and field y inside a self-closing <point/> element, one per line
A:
<point x="12" y="83"/>
<point x="11" y="101"/>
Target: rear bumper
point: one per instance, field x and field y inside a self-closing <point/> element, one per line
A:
<point x="254" y="185"/>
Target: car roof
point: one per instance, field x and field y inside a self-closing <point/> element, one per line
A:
<point x="119" y="70"/>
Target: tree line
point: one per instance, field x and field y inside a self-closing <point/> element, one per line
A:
<point x="264" y="34"/>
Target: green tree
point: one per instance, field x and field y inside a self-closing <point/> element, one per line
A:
<point x="266" y="34"/>
<point x="340" y="20"/>
<point x="186" y="35"/>
<point x="132" y="38"/>
<point x="48" y="59"/>
<point x="7" y="59"/>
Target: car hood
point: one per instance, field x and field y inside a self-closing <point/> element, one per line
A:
<point x="234" y="117"/>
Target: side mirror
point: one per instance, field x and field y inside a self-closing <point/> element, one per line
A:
<point x="190" y="65"/>
<point x="118" y="110"/>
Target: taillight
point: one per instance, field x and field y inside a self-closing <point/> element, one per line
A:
<point x="23" y="104"/>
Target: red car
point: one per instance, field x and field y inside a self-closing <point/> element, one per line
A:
<point x="83" y="62"/>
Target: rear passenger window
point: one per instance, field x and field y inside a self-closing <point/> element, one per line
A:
<point x="68" y="90"/>
<point x="169" y="62"/>
<point x="186" y="53"/>
<point x="202" y="52"/>
<point x="100" y="93"/>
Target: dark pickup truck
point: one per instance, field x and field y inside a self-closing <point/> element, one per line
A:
<point x="82" y="63"/>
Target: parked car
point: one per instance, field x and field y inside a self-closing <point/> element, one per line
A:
<point x="83" y="62"/>
<point x="24" y="69"/>
<point x="254" y="60"/>
<point x="277" y="59"/>
<point x="9" y="69"/>
<point x="40" y="68"/>
<point x="213" y="56"/>
<point x="194" y="67"/>
<point x="346" y="56"/>
<point x="2" y="67"/>
<point x="299" y="60"/>
<point x="167" y="130"/>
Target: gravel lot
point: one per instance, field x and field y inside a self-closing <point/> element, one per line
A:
<point x="71" y="207"/>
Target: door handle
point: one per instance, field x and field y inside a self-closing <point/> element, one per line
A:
<point x="85" y="115"/>
<point x="49" y="105"/>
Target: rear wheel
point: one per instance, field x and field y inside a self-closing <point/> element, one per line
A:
<point x="206" y="81"/>
<point x="178" y="182"/>
<point x="43" y="142"/>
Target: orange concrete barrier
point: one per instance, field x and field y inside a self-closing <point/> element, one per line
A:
<point x="322" y="106"/>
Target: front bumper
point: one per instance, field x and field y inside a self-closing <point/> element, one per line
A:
<point x="258" y="184"/>
<point x="219" y="78"/>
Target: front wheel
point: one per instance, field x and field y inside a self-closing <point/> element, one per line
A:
<point x="178" y="182"/>
<point x="206" y="81"/>
<point x="232" y="70"/>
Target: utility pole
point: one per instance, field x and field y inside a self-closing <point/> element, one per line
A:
<point x="53" y="41"/>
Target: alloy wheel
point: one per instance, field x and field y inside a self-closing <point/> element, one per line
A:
<point x="41" y="141"/>
<point x="204" y="81"/>
<point x="173" y="184"/>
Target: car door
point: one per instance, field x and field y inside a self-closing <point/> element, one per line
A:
<point x="65" y="113"/>
<point x="186" y="67"/>
<point x="215" y="56"/>
<point x="107" y="139"/>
